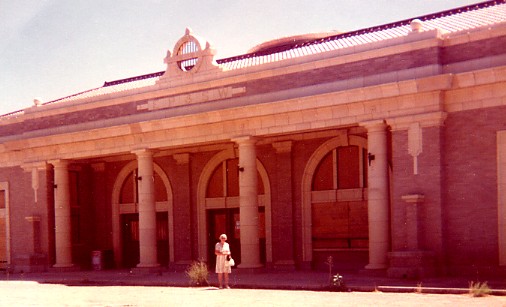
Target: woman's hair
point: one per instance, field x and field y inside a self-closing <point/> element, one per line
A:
<point x="223" y="236"/>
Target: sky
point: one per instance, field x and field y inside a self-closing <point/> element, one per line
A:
<point x="54" y="48"/>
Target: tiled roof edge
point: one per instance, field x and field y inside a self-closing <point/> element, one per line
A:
<point x="395" y="24"/>
<point x="136" y="78"/>
<point x="69" y="96"/>
<point x="404" y="22"/>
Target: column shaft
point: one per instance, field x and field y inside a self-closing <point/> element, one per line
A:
<point x="248" y="202"/>
<point x="147" y="210"/>
<point x="378" y="209"/>
<point x="63" y="236"/>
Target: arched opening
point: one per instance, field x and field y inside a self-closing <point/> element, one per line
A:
<point x="126" y="217"/>
<point x="218" y="198"/>
<point x="334" y="204"/>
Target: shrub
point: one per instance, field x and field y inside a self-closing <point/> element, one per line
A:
<point x="478" y="289"/>
<point x="198" y="273"/>
<point x="336" y="281"/>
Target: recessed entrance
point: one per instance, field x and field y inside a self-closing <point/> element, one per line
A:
<point x="130" y="238"/>
<point x="227" y="221"/>
<point x="126" y="217"/>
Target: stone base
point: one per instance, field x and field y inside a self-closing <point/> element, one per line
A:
<point x="305" y="266"/>
<point x="411" y="264"/>
<point x="30" y="263"/>
<point x="147" y="270"/>
<point x="373" y="272"/>
<point x="287" y="265"/>
<point x="250" y="270"/>
<point x="179" y="266"/>
<point x="67" y="268"/>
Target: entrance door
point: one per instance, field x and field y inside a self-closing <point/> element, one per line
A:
<point x="130" y="231"/>
<point x="162" y="238"/>
<point x="224" y="221"/>
<point x="227" y="221"/>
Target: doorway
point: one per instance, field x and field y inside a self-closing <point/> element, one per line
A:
<point x="224" y="221"/>
<point x="130" y="233"/>
<point x="227" y="221"/>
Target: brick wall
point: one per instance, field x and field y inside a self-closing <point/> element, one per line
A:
<point x="470" y="199"/>
<point x="28" y="236"/>
<point x="427" y="182"/>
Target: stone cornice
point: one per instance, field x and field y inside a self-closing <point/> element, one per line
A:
<point x="434" y="119"/>
<point x="337" y="109"/>
<point x="365" y="95"/>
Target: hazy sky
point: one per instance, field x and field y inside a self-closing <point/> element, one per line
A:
<point x="54" y="48"/>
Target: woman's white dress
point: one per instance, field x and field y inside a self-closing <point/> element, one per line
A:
<point x="221" y="260"/>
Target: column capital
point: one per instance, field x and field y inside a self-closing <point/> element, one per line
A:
<point x="247" y="139"/>
<point x="59" y="163"/>
<point x="144" y="152"/>
<point x="374" y="125"/>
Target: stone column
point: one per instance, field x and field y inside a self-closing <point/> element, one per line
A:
<point x="147" y="210"/>
<point x="63" y="235"/>
<point x="378" y="204"/>
<point x="248" y="203"/>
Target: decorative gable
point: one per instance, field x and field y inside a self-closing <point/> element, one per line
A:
<point x="192" y="58"/>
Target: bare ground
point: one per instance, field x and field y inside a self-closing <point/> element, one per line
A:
<point x="29" y="293"/>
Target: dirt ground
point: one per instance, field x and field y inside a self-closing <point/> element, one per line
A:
<point x="29" y="293"/>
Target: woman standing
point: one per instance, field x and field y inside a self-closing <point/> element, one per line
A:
<point x="222" y="251"/>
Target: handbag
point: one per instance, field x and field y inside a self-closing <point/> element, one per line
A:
<point x="231" y="262"/>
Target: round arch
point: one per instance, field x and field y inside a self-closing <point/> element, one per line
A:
<point x="201" y="202"/>
<point x="307" y="177"/>
<point x="116" y="227"/>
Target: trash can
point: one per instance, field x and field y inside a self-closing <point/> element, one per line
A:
<point x="97" y="260"/>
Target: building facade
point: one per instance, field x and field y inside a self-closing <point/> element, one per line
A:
<point x="384" y="148"/>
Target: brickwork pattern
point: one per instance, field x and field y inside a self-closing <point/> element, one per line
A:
<point x="470" y="200"/>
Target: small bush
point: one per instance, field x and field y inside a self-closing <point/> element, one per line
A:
<point x="338" y="283"/>
<point x="479" y="289"/>
<point x="198" y="273"/>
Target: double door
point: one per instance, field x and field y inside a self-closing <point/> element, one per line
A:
<point x="224" y="221"/>
<point x="227" y="221"/>
<point x="130" y="236"/>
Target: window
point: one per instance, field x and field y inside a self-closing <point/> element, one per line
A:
<point x="187" y="48"/>
<point x="342" y="168"/>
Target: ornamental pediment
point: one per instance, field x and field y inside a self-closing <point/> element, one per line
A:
<point x="192" y="58"/>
